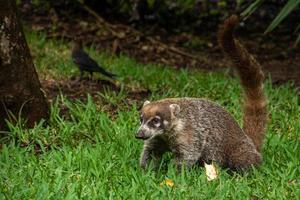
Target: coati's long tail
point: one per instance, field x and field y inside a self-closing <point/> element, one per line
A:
<point x="252" y="77"/>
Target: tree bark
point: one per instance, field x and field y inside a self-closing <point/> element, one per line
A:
<point x="20" y="89"/>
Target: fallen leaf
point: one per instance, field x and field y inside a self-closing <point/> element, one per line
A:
<point x="167" y="182"/>
<point x="211" y="172"/>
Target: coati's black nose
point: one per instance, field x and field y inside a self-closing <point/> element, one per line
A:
<point x="140" y="135"/>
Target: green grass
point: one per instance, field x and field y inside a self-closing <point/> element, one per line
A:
<point x="89" y="154"/>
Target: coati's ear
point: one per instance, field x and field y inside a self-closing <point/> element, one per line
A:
<point x="175" y="109"/>
<point x="146" y="102"/>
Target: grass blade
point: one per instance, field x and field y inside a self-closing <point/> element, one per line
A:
<point x="297" y="40"/>
<point x="289" y="6"/>
<point x="250" y="9"/>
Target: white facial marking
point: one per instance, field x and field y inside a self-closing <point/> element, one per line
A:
<point x="166" y="123"/>
<point x="146" y="102"/>
<point x="157" y="125"/>
<point x="145" y="127"/>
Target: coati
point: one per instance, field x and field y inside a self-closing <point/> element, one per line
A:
<point x="197" y="130"/>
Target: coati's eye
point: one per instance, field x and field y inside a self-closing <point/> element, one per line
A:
<point x="155" y="120"/>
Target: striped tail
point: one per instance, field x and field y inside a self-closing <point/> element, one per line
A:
<point x="252" y="77"/>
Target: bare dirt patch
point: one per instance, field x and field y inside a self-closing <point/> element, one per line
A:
<point x="74" y="89"/>
<point x="277" y="53"/>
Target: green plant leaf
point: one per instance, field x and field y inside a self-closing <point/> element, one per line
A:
<point x="289" y="6"/>
<point x="251" y="8"/>
<point x="297" y="29"/>
<point x="298" y="40"/>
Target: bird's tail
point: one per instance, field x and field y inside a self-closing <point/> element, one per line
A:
<point x="106" y="73"/>
<point x="252" y="77"/>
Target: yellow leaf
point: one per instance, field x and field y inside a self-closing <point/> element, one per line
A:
<point x="167" y="182"/>
<point x="211" y="172"/>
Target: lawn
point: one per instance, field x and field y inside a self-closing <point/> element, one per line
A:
<point x="91" y="153"/>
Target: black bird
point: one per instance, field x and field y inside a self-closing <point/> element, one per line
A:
<point x="85" y="63"/>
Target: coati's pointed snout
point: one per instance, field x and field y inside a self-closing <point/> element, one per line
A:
<point x="141" y="135"/>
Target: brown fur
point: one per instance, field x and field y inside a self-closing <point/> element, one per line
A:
<point x="197" y="130"/>
<point x="249" y="70"/>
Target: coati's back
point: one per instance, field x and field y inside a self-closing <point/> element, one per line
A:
<point x="200" y="130"/>
<point x="218" y="130"/>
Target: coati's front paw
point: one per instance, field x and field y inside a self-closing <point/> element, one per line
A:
<point x="143" y="164"/>
<point x="144" y="160"/>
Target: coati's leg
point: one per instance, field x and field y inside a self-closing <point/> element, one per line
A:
<point x="145" y="156"/>
<point x="185" y="161"/>
<point x="185" y="155"/>
<point x="153" y="148"/>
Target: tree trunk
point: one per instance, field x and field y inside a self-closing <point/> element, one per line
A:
<point x="20" y="89"/>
